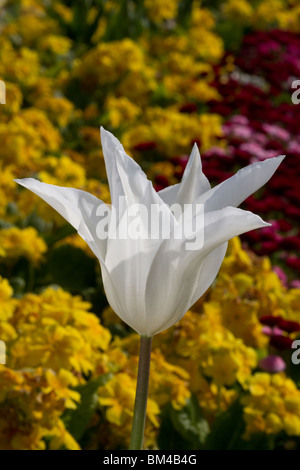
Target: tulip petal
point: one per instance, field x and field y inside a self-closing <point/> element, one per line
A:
<point x="173" y="265"/>
<point x="109" y="145"/>
<point x="78" y="207"/>
<point x="193" y="183"/>
<point x="245" y="182"/>
<point x="208" y="271"/>
<point x="125" y="285"/>
<point x="128" y="178"/>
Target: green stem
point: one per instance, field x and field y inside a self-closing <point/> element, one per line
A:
<point x="141" y="396"/>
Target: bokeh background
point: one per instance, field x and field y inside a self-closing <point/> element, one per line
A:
<point x="161" y="75"/>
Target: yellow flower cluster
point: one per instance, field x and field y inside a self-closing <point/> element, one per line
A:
<point x="21" y="67"/>
<point x="49" y="129"/>
<point x="212" y="348"/>
<point x="284" y="14"/>
<point x="174" y="132"/>
<point x="159" y="11"/>
<point x="59" y="109"/>
<point x="16" y="243"/>
<point x="31" y="403"/>
<point x="56" y="44"/>
<point x="32" y="25"/>
<point x="247" y="289"/>
<point x="26" y="137"/>
<point x="108" y="63"/>
<point x="272" y="405"/>
<point x="204" y="42"/>
<point x="7" y="187"/>
<point x="56" y="331"/>
<point x="238" y="10"/>
<point x="168" y="383"/>
<point x="52" y="342"/>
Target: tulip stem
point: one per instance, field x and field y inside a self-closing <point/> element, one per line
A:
<point x="141" y="396"/>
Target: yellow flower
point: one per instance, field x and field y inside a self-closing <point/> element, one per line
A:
<point x="173" y="131"/>
<point x="118" y="395"/>
<point x="31" y="26"/>
<point x="61" y="382"/>
<point x="26" y="137"/>
<point x="203" y="42"/>
<point x="65" y="12"/>
<point x="31" y="403"/>
<point x="108" y="61"/>
<point x="64" y="170"/>
<point x="59" y="109"/>
<point x="159" y="11"/>
<point x="58" y="332"/>
<point x="59" y="45"/>
<point x="168" y="382"/>
<point x="239" y="10"/>
<point x="272" y="405"/>
<point x="61" y="438"/>
<point x="14" y="98"/>
<point x="20" y="66"/>
<point x="15" y="243"/>
<point x="121" y="111"/>
<point x="7" y="303"/>
<point x="7" y="333"/>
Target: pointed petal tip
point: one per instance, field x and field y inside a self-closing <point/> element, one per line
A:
<point x="102" y="131"/>
<point x="261" y="223"/>
<point x="23" y="181"/>
<point x="281" y="157"/>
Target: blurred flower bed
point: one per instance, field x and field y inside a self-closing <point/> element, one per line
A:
<point x="160" y="75"/>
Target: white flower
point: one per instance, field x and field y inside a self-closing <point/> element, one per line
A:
<point x="151" y="283"/>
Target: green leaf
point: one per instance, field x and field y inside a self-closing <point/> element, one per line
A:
<point x="60" y="234"/>
<point x="168" y="437"/>
<point x="183" y="429"/>
<point x="226" y="429"/>
<point x="190" y="423"/>
<point x="70" y="268"/>
<point x="77" y="420"/>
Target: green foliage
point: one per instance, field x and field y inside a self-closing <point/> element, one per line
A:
<point x="228" y="429"/>
<point x="183" y="429"/>
<point x="77" y="420"/>
<point x="70" y="268"/>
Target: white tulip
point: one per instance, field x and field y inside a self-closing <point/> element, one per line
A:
<point x="151" y="282"/>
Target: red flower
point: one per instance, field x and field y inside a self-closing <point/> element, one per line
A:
<point x="281" y="342"/>
<point x="288" y="325"/>
<point x="270" y="320"/>
<point x="188" y="108"/>
<point x="162" y="180"/>
<point x="145" y="146"/>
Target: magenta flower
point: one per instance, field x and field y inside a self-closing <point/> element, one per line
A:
<point x="272" y="363"/>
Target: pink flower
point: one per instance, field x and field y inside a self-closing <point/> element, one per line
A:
<point x="281" y="274"/>
<point x="272" y="363"/>
<point x="239" y="119"/>
<point x="239" y="132"/>
<point x="276" y="131"/>
<point x="271" y="331"/>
